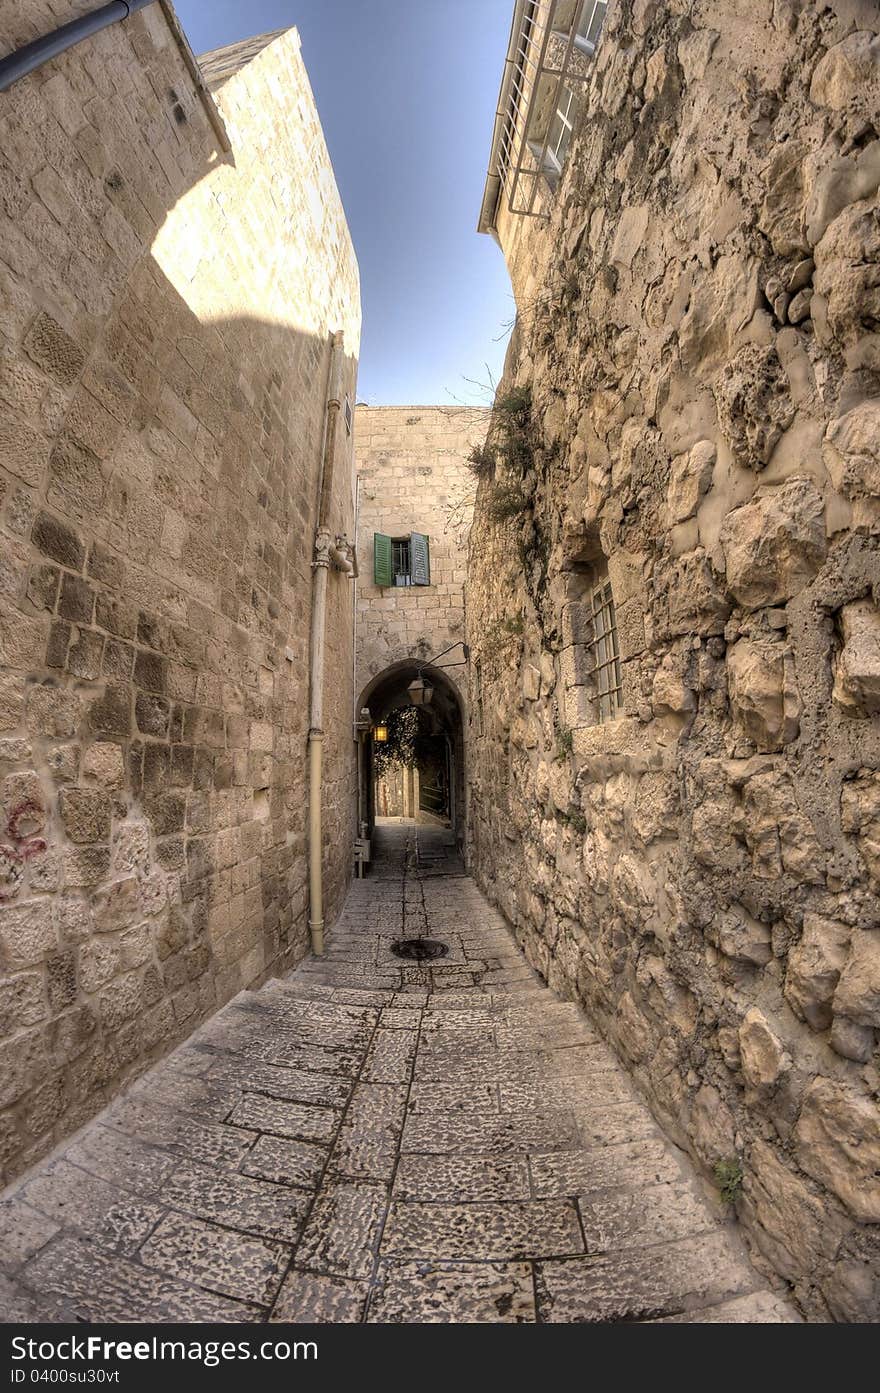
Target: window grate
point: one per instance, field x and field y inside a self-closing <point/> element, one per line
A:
<point x="400" y="562"/>
<point x="603" y="648"/>
<point x="529" y="158"/>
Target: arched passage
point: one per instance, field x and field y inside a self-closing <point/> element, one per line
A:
<point x="431" y="788"/>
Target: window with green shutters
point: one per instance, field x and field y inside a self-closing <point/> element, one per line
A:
<point x="401" y="560"/>
<point x="419" y="559"/>
<point x="383" y="571"/>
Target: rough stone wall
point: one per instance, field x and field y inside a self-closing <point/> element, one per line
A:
<point x="413" y="476"/>
<point x="701" y="344"/>
<point x="165" y="313"/>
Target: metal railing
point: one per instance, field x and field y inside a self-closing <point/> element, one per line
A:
<point x="542" y="56"/>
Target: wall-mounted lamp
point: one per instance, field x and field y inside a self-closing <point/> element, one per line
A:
<point x="420" y="692"/>
<point x="380" y="734"/>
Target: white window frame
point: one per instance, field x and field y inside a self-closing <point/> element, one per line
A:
<point x="566" y="114"/>
<point x="583" y="26"/>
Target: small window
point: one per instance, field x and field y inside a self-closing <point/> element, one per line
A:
<point x="401" y="561"/>
<point x="558" y="137"/>
<point x="589" y="25"/>
<point x="590" y="666"/>
<point x="347" y="415"/>
<point x="603" y="648"/>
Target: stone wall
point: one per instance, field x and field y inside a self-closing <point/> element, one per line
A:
<point x="697" y="408"/>
<point x="413" y="476"/>
<point x="165" y="313"/>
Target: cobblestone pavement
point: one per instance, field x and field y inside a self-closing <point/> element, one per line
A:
<point x="376" y="1140"/>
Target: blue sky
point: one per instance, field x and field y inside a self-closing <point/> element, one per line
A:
<point x="406" y="90"/>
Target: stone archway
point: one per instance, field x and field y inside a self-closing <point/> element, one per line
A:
<point x="437" y="792"/>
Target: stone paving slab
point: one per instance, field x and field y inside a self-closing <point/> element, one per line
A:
<point x="450" y="1178"/>
<point x="497" y="1232"/>
<point x="219" y="1259"/>
<point x="759" y="1308"/>
<point x="636" y="1284"/>
<point x="627" y="1165"/>
<point x="372" y="1140"/>
<point x="309" y="1298"/>
<point x="440" y="1294"/>
<point x="243" y="1202"/>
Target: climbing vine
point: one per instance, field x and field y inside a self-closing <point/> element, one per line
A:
<point x="403" y="748"/>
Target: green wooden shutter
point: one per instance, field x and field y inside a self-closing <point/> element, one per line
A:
<point x="382" y="572"/>
<point x="420" y="559"/>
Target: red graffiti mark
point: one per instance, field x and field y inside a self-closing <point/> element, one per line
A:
<point x="24" y="821"/>
<point x="10" y="873"/>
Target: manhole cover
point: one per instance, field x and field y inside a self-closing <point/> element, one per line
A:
<point x="419" y="948"/>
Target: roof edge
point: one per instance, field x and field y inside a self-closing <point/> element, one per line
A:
<point x="492" y="190"/>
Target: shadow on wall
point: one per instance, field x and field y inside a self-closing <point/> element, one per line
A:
<point x="158" y="492"/>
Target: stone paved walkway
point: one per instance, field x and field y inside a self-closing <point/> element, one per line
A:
<point x="373" y="1140"/>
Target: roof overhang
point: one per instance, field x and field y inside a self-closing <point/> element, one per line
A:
<point x="492" y="189"/>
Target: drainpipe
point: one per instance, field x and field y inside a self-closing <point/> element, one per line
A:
<point x="324" y="558"/>
<point x="33" y="55"/>
<point x="14" y="66"/>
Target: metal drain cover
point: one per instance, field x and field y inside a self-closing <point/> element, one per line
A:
<point x="419" y="949"/>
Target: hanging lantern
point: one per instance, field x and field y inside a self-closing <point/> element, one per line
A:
<point x="380" y="734"/>
<point x="420" y="692"/>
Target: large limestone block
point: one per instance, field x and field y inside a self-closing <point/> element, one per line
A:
<point x="764" y="1058"/>
<point x="860" y="816"/>
<point x="778" y="833"/>
<point x="655" y="808"/>
<point x="712" y="842"/>
<point x="696" y="602"/>
<point x="782" y="211"/>
<point x="849" y="72"/>
<point x="774" y="545"/>
<point x="844" y="181"/>
<point x="794" y="1227"/>
<point x="763" y="696"/>
<point x="720" y="305"/>
<point x="851" y="450"/>
<point x="838" y="1143"/>
<point x="858" y="992"/>
<point x="857" y="671"/>
<point x="689" y="480"/>
<point x="754" y="404"/>
<point x="629" y="235"/>
<point x="844" y="307"/>
<point x="671" y="696"/>
<point x="711" y="1126"/>
<point x="814" y="967"/>
<point x="744" y="938"/>
<point x="531" y="682"/>
<point x="671" y="1000"/>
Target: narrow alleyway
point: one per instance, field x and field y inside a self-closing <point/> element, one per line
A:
<point x="381" y="1140"/>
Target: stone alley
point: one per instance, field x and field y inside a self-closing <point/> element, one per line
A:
<point x="366" y="1140"/>
<point x="573" y="678"/>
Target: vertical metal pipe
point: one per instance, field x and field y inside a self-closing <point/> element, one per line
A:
<point x="321" y="566"/>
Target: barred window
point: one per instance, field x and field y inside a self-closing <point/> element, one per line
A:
<point x="603" y="649"/>
<point x="589" y="24"/>
<point x="400" y="560"/>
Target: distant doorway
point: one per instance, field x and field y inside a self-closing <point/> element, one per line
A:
<point x="417" y="773"/>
